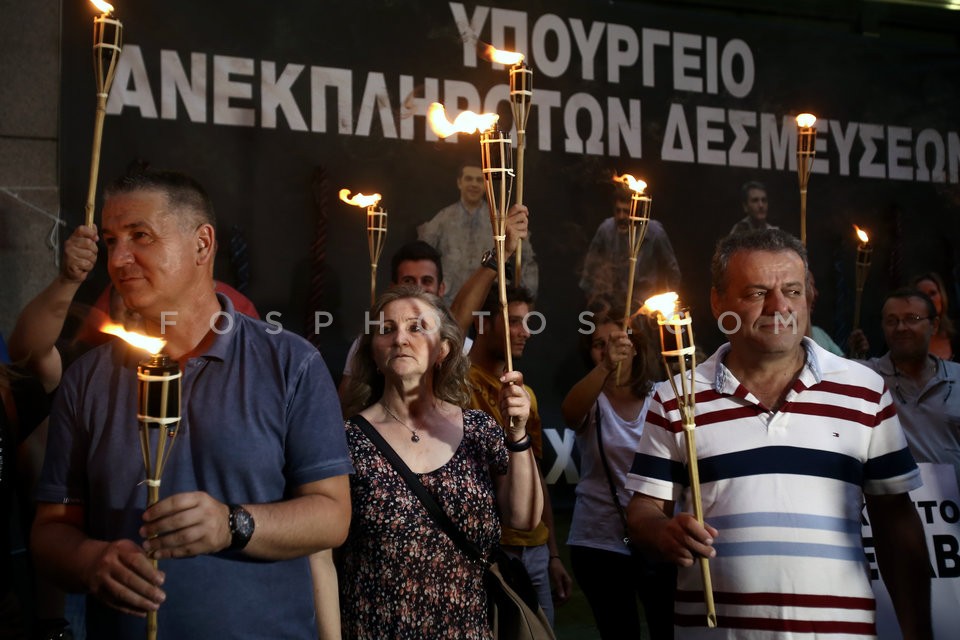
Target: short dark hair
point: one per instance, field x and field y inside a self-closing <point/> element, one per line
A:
<point x="761" y="240"/>
<point x="184" y="194"/>
<point x="514" y="294"/>
<point x="467" y="163"/>
<point x="748" y="186"/>
<point x="413" y="251"/>
<point x="621" y="194"/>
<point x="906" y="293"/>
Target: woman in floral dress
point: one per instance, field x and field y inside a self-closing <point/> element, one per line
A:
<point x="400" y="575"/>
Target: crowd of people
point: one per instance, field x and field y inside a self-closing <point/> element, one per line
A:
<point x="285" y="510"/>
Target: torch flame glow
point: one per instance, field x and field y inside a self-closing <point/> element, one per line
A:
<point x="864" y="238"/>
<point x="665" y="304"/>
<point x="140" y="341"/>
<point x="806" y="120"/>
<point x="500" y="56"/>
<point x="360" y="200"/>
<point x="104" y="7"/>
<point x="466" y="122"/>
<point x="631" y="182"/>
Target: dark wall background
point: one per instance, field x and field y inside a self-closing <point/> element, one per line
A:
<point x="261" y="179"/>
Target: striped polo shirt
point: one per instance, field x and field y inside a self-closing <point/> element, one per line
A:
<point x="785" y="491"/>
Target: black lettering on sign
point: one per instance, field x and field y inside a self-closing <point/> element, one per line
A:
<point x="945" y="548"/>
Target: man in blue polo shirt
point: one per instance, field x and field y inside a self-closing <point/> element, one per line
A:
<point x="257" y="479"/>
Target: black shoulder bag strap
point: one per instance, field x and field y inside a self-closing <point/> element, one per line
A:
<point x="433" y="508"/>
<point x="610" y="482"/>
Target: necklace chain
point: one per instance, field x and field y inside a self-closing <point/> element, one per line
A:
<point x="414" y="436"/>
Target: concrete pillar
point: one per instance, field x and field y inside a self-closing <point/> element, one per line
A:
<point x="29" y="131"/>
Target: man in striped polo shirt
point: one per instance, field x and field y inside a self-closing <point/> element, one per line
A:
<point x="791" y="442"/>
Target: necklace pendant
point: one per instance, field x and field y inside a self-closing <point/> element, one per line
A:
<point x="414" y="438"/>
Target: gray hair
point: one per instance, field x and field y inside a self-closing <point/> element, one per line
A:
<point x="762" y="240"/>
<point x="187" y="197"/>
<point x="450" y="379"/>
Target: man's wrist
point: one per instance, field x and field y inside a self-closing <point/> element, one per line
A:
<point x="67" y="280"/>
<point x="241" y="526"/>
<point x="489" y="260"/>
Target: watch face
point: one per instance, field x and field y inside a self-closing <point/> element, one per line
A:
<point x="241" y="526"/>
<point x="489" y="260"/>
<point x="243" y="523"/>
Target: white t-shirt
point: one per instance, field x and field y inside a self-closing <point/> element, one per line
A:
<point x="596" y="522"/>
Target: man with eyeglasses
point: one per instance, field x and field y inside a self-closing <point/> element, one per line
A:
<point x="921" y="383"/>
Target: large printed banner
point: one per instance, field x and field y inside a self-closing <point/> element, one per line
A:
<point x="938" y="503"/>
<point x="260" y="100"/>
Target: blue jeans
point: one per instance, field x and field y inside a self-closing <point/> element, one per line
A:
<point x="536" y="560"/>
<point x="75" y="611"/>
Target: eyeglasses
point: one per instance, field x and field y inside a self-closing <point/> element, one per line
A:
<point x="911" y="321"/>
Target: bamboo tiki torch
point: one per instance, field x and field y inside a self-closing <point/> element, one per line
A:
<point x="107" y="44"/>
<point x="640" y="204"/>
<point x="376" y="235"/>
<point x="806" y="149"/>
<point x="495" y="156"/>
<point x="158" y="392"/>
<point x="158" y="417"/>
<point x="376" y="231"/>
<point x="680" y="350"/>
<point x="521" y="97"/>
<point x="864" y="254"/>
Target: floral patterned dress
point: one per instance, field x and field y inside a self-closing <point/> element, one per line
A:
<point x="401" y="576"/>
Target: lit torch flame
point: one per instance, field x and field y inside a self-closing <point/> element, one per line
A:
<point x="806" y="120"/>
<point x="500" y="56"/>
<point x="104" y="7"/>
<point x="360" y="200"/>
<point x="631" y="182"/>
<point x="665" y="304"/>
<point x="864" y="238"/>
<point x="466" y="122"/>
<point x="138" y="340"/>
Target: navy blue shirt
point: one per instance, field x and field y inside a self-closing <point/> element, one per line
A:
<point x="260" y="416"/>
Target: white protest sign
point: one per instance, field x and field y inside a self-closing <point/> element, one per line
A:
<point x="938" y="503"/>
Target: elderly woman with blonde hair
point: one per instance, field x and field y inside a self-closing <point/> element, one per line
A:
<point x="400" y="575"/>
